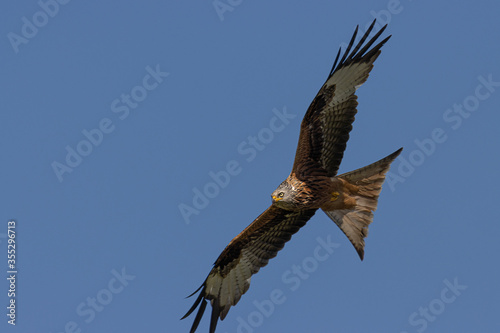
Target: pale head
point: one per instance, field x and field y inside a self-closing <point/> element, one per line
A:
<point x="284" y="196"/>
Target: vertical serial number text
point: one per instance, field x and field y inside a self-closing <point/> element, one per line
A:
<point x="11" y="271"/>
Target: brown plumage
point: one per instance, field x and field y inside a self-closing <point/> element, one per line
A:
<point x="348" y="199"/>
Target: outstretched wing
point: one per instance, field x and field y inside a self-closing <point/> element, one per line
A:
<point x="243" y="257"/>
<point x="326" y="125"/>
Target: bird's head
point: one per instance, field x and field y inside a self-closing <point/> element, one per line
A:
<point x="284" y="195"/>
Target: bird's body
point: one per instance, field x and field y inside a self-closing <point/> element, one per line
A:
<point x="312" y="193"/>
<point x="348" y="199"/>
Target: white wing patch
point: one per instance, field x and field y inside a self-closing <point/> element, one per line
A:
<point x="348" y="79"/>
<point x="229" y="289"/>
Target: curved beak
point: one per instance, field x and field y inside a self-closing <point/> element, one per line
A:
<point x="275" y="198"/>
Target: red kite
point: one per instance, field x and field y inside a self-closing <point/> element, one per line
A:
<point x="348" y="199"/>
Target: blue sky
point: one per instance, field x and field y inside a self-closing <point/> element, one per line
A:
<point x="115" y="115"/>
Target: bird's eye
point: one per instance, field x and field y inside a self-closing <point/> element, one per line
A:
<point x="281" y="194"/>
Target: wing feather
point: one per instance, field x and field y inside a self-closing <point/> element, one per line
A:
<point x="230" y="277"/>
<point x="328" y="121"/>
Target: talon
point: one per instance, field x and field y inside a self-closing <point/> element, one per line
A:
<point x="335" y="196"/>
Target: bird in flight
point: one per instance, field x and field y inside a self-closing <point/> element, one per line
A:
<point x="348" y="199"/>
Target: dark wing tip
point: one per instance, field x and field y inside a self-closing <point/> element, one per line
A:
<point x="197" y="319"/>
<point x="196" y="290"/>
<point x="200" y="299"/>
<point x="195" y="305"/>
<point x="215" y="316"/>
<point x="358" y="53"/>
<point x="393" y="156"/>
<point x="335" y="63"/>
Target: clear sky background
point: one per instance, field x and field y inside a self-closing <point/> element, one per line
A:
<point x="102" y="245"/>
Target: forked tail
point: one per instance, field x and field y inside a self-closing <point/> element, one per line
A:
<point x="368" y="182"/>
